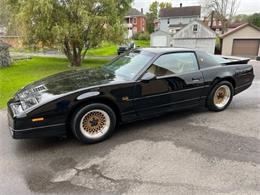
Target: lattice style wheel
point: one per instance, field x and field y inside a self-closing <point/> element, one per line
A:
<point x="220" y="96"/>
<point x="93" y="123"/>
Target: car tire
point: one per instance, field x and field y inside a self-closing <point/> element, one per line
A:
<point x="93" y="123"/>
<point x="220" y="96"/>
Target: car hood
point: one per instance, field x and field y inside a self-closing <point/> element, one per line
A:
<point x="59" y="84"/>
<point x="74" y="80"/>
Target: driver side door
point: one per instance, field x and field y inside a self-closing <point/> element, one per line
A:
<point x="178" y="84"/>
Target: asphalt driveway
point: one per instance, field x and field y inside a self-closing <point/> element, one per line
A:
<point x="191" y="152"/>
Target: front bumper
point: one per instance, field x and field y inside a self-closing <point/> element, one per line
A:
<point x="21" y="128"/>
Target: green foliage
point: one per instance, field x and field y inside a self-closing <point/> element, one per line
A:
<point x="142" y="36"/>
<point x="240" y="18"/>
<point x="153" y="13"/>
<point x="254" y="19"/>
<point x="73" y="26"/>
<point x="23" y="72"/>
<point x="163" y="5"/>
<point x="142" y="43"/>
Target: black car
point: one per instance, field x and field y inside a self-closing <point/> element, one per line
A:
<point x="137" y="85"/>
<point x="125" y="48"/>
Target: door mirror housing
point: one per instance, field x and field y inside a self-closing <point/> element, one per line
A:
<point x="148" y="77"/>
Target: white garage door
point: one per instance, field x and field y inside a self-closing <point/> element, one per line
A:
<point x="159" y="41"/>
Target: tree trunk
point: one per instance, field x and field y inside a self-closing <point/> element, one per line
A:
<point x="73" y="52"/>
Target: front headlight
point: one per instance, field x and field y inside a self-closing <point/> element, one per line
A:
<point x="28" y="103"/>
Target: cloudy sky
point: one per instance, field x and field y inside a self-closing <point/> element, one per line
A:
<point x="246" y="6"/>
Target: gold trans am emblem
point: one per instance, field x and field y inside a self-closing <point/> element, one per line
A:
<point x="125" y="98"/>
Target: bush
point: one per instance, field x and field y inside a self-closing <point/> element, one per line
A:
<point x="142" y="36"/>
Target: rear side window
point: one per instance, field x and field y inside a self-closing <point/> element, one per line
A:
<point x="206" y="60"/>
<point x="174" y="63"/>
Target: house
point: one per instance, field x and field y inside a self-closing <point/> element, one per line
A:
<point x="135" y="22"/>
<point x="160" y="39"/>
<point x="242" y="41"/>
<point x="174" y="19"/>
<point x="194" y="35"/>
<point x="216" y="25"/>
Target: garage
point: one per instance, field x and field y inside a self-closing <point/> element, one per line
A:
<point x="246" y="47"/>
<point x="160" y="39"/>
<point x="242" y="41"/>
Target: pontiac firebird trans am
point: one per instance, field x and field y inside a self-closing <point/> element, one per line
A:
<point x="136" y="85"/>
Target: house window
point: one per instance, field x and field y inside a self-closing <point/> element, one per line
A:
<point x="168" y="21"/>
<point x="195" y="28"/>
<point x="134" y="20"/>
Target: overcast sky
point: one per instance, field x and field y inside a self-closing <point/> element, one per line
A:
<point x="246" y="6"/>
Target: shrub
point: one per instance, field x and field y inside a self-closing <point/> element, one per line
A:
<point x="142" y="36"/>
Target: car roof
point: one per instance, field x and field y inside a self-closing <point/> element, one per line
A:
<point x="161" y="50"/>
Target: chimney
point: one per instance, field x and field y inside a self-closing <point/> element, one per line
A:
<point x="180" y="5"/>
<point x="211" y="19"/>
<point x="142" y="10"/>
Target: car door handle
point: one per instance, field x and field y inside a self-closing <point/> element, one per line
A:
<point x="195" y="79"/>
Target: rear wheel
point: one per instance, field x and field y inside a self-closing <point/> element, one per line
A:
<point x="220" y="96"/>
<point x="93" y="123"/>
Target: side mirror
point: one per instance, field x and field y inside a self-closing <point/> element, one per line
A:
<point x="148" y="77"/>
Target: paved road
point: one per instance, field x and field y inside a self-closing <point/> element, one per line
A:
<point x="192" y="152"/>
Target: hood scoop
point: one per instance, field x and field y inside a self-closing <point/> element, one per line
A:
<point x="39" y="88"/>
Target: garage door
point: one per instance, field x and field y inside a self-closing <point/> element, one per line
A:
<point x="247" y="48"/>
<point x="159" y="41"/>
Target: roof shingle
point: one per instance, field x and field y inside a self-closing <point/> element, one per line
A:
<point x="181" y="11"/>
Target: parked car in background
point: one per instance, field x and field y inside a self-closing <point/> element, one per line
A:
<point x="126" y="47"/>
<point x="140" y="84"/>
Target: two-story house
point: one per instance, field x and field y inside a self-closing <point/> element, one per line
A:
<point x="135" y="22"/>
<point x="181" y="27"/>
<point x="173" y="19"/>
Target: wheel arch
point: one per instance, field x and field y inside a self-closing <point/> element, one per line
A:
<point x="225" y="78"/>
<point x="102" y="100"/>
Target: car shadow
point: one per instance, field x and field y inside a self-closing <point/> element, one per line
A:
<point x="123" y="131"/>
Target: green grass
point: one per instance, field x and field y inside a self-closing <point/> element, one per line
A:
<point x="22" y="72"/>
<point x="110" y="49"/>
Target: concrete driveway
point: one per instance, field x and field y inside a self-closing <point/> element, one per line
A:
<point x="191" y="152"/>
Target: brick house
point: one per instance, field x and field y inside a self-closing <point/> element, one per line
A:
<point x="135" y="22"/>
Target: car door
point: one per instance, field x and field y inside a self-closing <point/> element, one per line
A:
<point x="178" y="84"/>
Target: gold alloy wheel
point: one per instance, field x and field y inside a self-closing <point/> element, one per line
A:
<point x="222" y="96"/>
<point x="95" y="123"/>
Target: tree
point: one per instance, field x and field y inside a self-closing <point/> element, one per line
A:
<point x="153" y="13"/>
<point x="74" y="26"/>
<point x="164" y="5"/>
<point x="224" y="10"/>
<point x="254" y="19"/>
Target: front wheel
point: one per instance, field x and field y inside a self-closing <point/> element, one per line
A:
<point x="220" y="96"/>
<point x="93" y="123"/>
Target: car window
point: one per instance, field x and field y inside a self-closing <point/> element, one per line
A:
<point x="129" y="65"/>
<point x="174" y="63"/>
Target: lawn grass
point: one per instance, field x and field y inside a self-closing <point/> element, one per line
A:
<point x="22" y="72"/>
<point x="110" y="49"/>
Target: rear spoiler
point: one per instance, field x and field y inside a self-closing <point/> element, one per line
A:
<point x="236" y="60"/>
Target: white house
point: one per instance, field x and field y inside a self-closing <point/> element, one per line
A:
<point x="195" y="35"/>
<point x="173" y="19"/>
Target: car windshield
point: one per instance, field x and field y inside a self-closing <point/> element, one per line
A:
<point x="129" y="64"/>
